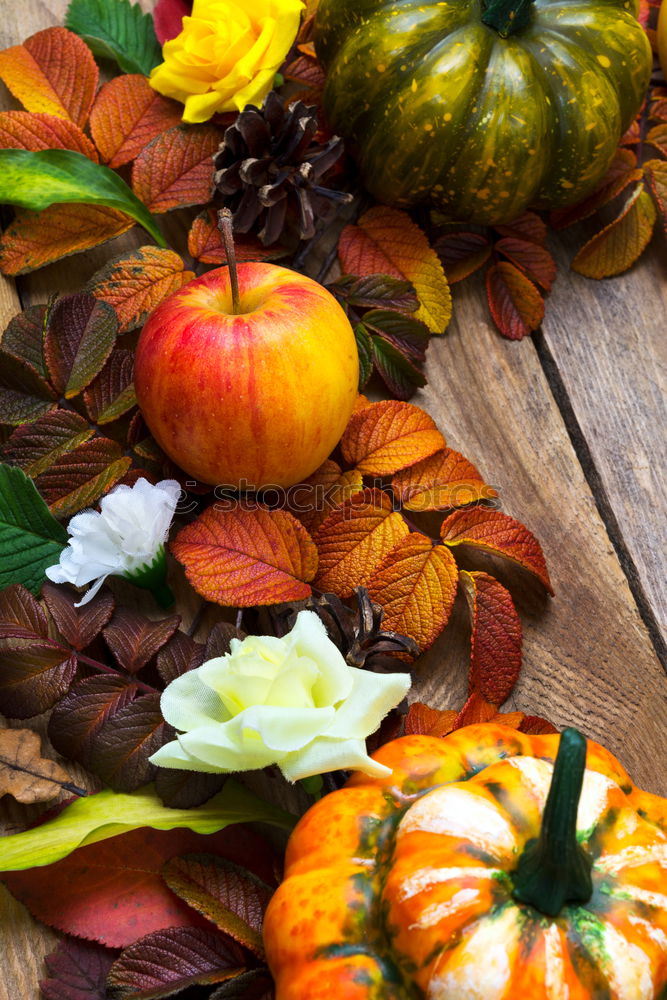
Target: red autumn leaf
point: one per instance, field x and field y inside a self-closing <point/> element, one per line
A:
<point x="621" y="243"/>
<point x="80" y="477"/>
<point x="37" y="445"/>
<point x="231" y="897"/>
<point x="535" y="725"/>
<point x="111" y="393"/>
<point x="168" y="961"/>
<point x="528" y="226"/>
<point x="387" y="241"/>
<point x="33" y="677"/>
<point x="120" y="748"/>
<point x="179" y="655"/>
<point x="77" y="971"/>
<point x="127" y="115"/>
<point x="205" y="242"/>
<point x="21" y="615"/>
<point x="461" y="254"/>
<point x="112" y="891"/>
<point x="622" y="172"/>
<point x="632" y="137"/>
<point x="388" y="436"/>
<point x="476" y="710"/>
<point x="416" y="586"/>
<point x="176" y="169"/>
<point x="516" y="304"/>
<point x="134" y="639"/>
<point x="247" y="557"/>
<point x="445" y="480"/>
<point x="355" y="539"/>
<point x="79" y="337"/>
<point x="34" y="239"/>
<point x="495" y="656"/>
<point x="657" y="136"/>
<point x="656" y="175"/>
<point x="422" y="720"/>
<point x="32" y="131"/>
<point x="53" y="72"/>
<point x="78" y="626"/>
<point x="88" y="705"/>
<point x="313" y="500"/>
<point x="531" y="258"/>
<point x="493" y="531"/>
<point x="168" y="18"/>
<point x="134" y="283"/>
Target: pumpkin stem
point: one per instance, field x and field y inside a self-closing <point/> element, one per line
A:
<point x="553" y="869"/>
<point x="507" y="17"/>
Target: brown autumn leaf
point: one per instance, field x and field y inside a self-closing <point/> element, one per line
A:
<point x="79" y="337"/>
<point x="127" y="115"/>
<point x="462" y="253"/>
<point x="657" y="136"/>
<point x="387" y="241"/>
<point x="516" y="305"/>
<point x="176" y="169"/>
<point x="24" y="773"/>
<point x="621" y="243"/>
<point x="205" y="242"/>
<point x="655" y="172"/>
<point x="495" y="655"/>
<point x="389" y="436"/>
<point x="313" y="500"/>
<point x="80" y="477"/>
<point x="36" y="445"/>
<point x="134" y="283"/>
<point x="624" y="170"/>
<point x="53" y="72"/>
<point x="33" y="131"/>
<point x="245" y="557"/>
<point x="134" y="639"/>
<point x="355" y="539"/>
<point x="34" y="239"/>
<point x="111" y="393"/>
<point x="534" y="260"/>
<point x="445" y="480"/>
<point x="416" y="586"/>
<point x="528" y="226"/>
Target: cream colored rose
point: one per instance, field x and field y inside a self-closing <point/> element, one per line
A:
<point x="227" y="54"/>
<point x="293" y="702"/>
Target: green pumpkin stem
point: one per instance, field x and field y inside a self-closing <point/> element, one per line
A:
<point x="507" y="17"/>
<point x="553" y="869"/>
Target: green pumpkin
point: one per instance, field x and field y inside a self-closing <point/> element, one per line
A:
<point x="482" y="109"/>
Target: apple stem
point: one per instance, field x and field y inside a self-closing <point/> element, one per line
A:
<point x="227" y="232"/>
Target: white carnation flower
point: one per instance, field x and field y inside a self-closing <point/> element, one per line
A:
<point x="125" y="538"/>
<point x="293" y="702"/>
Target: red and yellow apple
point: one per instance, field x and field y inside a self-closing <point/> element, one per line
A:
<point x="250" y="398"/>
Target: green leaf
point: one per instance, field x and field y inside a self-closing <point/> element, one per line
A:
<point x="30" y="537"/>
<point x="108" y="813"/>
<point x="118" y="30"/>
<point x="61" y="176"/>
<point x="400" y="374"/>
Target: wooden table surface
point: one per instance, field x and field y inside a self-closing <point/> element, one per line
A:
<point x="569" y="425"/>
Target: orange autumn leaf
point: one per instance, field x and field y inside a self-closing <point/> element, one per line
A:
<point x="53" y="72"/>
<point x="422" y="720"/>
<point x="133" y="284"/>
<point x="176" y="169"/>
<point x="622" y="172"/>
<point x="495" y="655"/>
<point x="516" y="304"/>
<point x="355" y="539"/>
<point x="245" y="557"/>
<point x="445" y="480"/>
<point x="205" y="242"/>
<point x="656" y="176"/>
<point x="416" y="586"/>
<point x="387" y="241"/>
<point x="314" y="499"/>
<point x="32" y="131"/>
<point x="127" y="115"/>
<point x="618" y="245"/>
<point x="37" y="238"/>
<point x="493" y="531"/>
<point x="385" y="437"/>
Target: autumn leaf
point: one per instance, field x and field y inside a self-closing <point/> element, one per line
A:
<point x="355" y="539"/>
<point x="205" y="242"/>
<point x="422" y="720"/>
<point x="621" y="243"/>
<point x="656" y="175"/>
<point x="178" y="656"/>
<point x="446" y="479"/>
<point x="516" y="304"/>
<point x="24" y="394"/>
<point x="528" y="226"/>
<point x="34" y="239"/>
<point x="495" y="657"/>
<point x="462" y="253"/>
<point x="134" y="283"/>
<point x="79" y="337"/>
<point x="79" y="626"/>
<point x="387" y="241"/>
<point x="416" y="586"/>
<point x="24" y="337"/>
<point x="111" y="393"/>
<point x="247" y="557"/>
<point x="134" y="639"/>
<point x="229" y="896"/>
<point x="120" y="751"/>
<point x="176" y="169"/>
<point x="168" y="17"/>
<point x="77" y="719"/>
<point x="127" y="115"/>
<point x="77" y="971"/>
<point x="622" y="172"/>
<point x="328" y="487"/>
<point x="493" y="531"/>
<point x="32" y="131"/>
<point x="657" y="136"/>
<point x="80" y="477"/>
<point x="534" y="260"/>
<point x="53" y="72"/>
<point x="34" y="676"/>
<point x="24" y="773"/>
<point x="37" y="445"/>
<point x="388" y="436"/>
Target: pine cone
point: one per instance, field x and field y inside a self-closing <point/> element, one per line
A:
<point x="270" y="167"/>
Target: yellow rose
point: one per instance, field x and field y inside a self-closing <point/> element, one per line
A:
<point x="227" y="54"/>
<point x="293" y="702"/>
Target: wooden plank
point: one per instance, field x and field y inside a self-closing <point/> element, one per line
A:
<point x="607" y="343"/>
